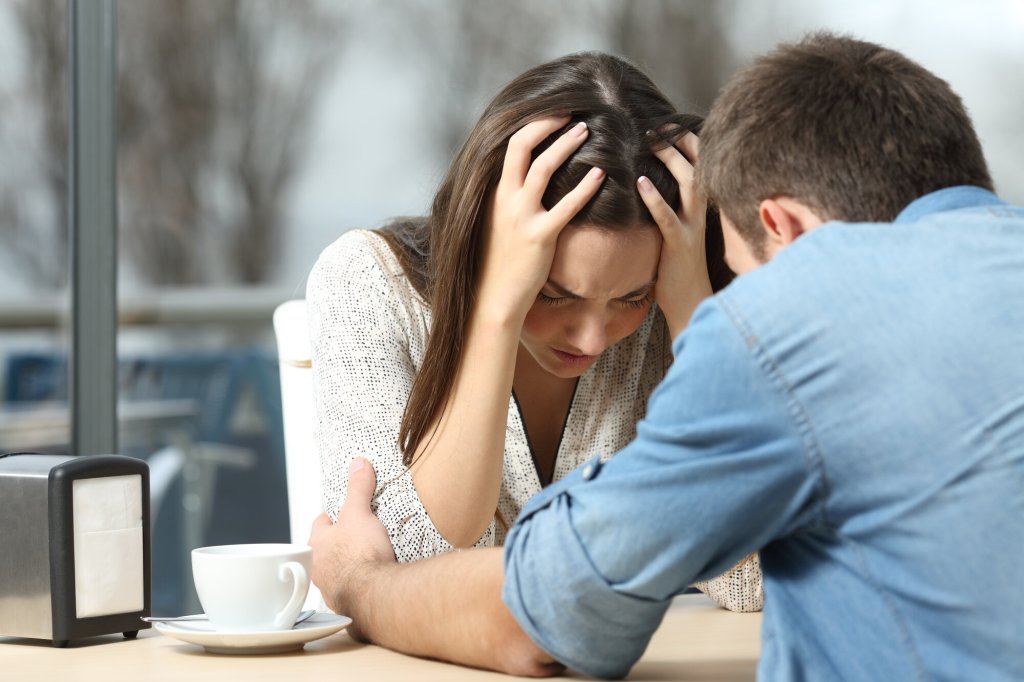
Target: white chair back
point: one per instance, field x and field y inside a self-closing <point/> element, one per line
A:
<point x="302" y="463"/>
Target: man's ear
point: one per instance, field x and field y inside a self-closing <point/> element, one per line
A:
<point x="784" y="219"/>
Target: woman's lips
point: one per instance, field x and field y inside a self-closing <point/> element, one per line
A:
<point x="572" y="359"/>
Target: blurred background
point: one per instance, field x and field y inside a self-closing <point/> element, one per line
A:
<point x="252" y="133"/>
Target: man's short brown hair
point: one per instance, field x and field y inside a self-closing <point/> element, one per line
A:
<point x="853" y="130"/>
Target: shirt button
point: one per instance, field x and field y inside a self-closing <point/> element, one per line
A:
<point x="588" y="472"/>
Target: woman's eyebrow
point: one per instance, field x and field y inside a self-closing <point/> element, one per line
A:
<point x="562" y="291"/>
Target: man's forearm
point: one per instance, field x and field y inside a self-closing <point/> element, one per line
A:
<point x="447" y="607"/>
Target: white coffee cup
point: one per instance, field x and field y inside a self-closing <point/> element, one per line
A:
<point x="250" y="588"/>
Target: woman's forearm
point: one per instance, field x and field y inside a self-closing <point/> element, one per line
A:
<point x="459" y="466"/>
<point x="458" y="469"/>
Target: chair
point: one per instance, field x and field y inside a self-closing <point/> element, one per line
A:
<point x="302" y="466"/>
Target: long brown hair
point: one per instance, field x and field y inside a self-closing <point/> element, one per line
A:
<point x="441" y="253"/>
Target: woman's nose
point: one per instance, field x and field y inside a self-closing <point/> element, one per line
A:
<point x="589" y="335"/>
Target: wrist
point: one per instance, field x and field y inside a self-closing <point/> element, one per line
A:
<point x="678" y="315"/>
<point x="495" y="316"/>
<point x="505" y="302"/>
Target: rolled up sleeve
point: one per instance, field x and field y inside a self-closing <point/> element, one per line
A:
<point x="547" y="568"/>
<point x="722" y="463"/>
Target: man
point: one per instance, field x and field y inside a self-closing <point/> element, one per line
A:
<point x="852" y="409"/>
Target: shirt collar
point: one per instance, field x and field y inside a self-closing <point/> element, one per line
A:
<point x="948" y="199"/>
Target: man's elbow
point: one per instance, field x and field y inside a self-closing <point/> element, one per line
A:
<point x="516" y="654"/>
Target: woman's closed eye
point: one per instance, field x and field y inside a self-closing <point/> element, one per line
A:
<point x="553" y="300"/>
<point x="638" y="302"/>
<point x="638" y="298"/>
<point x="631" y="302"/>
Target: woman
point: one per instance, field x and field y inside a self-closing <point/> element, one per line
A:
<point x="479" y="353"/>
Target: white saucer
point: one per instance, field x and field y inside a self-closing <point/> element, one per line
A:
<point x="268" y="642"/>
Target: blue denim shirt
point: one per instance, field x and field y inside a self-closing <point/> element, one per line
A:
<point x="855" y="411"/>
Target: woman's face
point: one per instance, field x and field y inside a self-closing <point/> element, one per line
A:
<point x="600" y="287"/>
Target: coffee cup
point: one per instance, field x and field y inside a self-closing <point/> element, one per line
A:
<point x="252" y="588"/>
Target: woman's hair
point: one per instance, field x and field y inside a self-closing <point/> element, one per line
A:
<point x="441" y="253"/>
<point x="852" y="129"/>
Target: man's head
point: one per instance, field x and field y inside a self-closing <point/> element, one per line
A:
<point x="831" y="128"/>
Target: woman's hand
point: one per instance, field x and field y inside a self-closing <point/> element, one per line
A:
<point x="457" y="471"/>
<point x="682" y="271"/>
<point x="520" y="236"/>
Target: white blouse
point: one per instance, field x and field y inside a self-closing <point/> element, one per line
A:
<point x="369" y="329"/>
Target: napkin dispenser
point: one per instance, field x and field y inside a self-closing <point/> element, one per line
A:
<point x="74" y="546"/>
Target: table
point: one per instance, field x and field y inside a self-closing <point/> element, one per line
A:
<point x="696" y="642"/>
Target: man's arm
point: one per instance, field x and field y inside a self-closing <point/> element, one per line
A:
<point x="722" y="464"/>
<point x="447" y="607"/>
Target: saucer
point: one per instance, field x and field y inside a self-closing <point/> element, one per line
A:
<point x="217" y="641"/>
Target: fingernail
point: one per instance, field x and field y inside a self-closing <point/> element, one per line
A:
<point x="644" y="184"/>
<point x="357" y="464"/>
<point x="578" y="129"/>
<point x="596" y="173"/>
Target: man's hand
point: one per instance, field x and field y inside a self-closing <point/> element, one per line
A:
<point x="345" y="553"/>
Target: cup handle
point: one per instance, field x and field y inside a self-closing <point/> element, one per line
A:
<point x="285" y="619"/>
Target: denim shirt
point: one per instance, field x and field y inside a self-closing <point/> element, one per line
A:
<point x="854" y="410"/>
